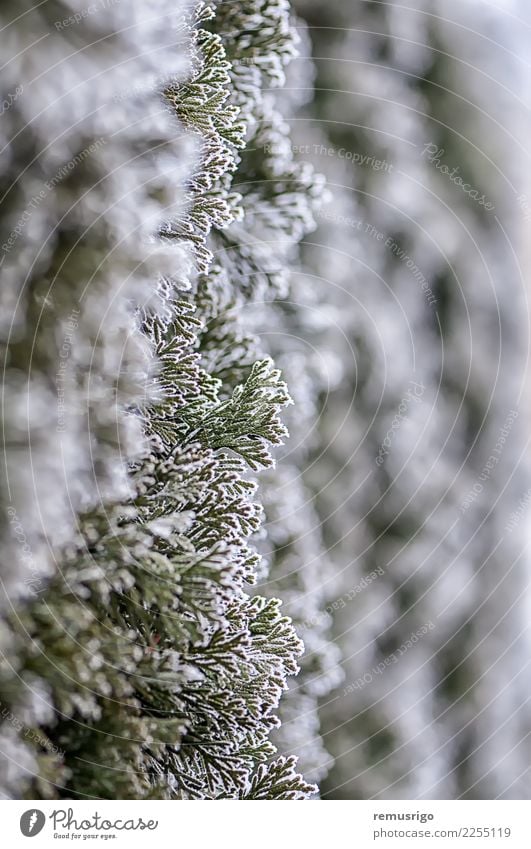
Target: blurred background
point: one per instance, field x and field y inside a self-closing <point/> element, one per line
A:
<point x="416" y="469"/>
<point x="398" y="516"/>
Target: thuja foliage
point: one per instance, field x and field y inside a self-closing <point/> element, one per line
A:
<point x="139" y="662"/>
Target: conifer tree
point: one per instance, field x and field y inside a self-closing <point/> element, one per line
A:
<point x="139" y="409"/>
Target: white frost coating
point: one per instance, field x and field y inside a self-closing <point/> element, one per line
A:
<point x="92" y="174"/>
<point x="77" y="144"/>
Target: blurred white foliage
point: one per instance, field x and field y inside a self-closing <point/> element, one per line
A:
<point x="452" y="716"/>
<point x="96" y="171"/>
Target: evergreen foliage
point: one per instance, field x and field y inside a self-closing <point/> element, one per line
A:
<point x="140" y="407"/>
